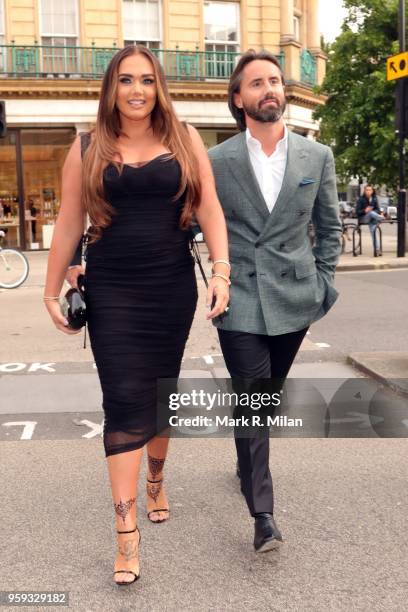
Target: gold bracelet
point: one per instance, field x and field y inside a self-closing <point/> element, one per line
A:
<point x="218" y="275"/>
<point x="224" y="261"/>
<point x="50" y="298"/>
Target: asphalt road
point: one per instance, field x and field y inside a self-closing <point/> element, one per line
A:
<point x="369" y="315"/>
<point x="340" y="503"/>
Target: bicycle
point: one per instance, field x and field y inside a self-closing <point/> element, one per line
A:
<point x="14" y="266"/>
<point x="347" y="236"/>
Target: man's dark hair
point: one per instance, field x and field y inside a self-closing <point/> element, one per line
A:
<point x="236" y="78"/>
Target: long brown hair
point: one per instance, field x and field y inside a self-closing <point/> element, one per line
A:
<point x="236" y="79"/>
<point x="103" y="146"/>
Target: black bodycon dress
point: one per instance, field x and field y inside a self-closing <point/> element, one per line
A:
<point x="141" y="297"/>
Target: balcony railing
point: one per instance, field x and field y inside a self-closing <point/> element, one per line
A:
<point x="45" y="61"/>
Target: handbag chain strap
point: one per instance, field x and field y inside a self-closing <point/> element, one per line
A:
<point x="197" y="257"/>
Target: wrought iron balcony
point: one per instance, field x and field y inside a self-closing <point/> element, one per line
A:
<point x="64" y="62"/>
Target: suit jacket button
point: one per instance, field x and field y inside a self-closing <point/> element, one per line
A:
<point x="283" y="274"/>
<point x="282" y="245"/>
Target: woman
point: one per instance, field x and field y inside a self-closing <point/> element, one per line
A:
<point x="144" y="175"/>
<point x="369" y="212"/>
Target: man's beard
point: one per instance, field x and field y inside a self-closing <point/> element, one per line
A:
<point x="267" y="114"/>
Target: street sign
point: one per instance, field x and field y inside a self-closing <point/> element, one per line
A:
<point x="397" y="66"/>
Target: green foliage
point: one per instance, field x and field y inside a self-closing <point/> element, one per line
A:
<point x="358" y="119"/>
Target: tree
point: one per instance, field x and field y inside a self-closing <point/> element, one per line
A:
<point x="358" y="119"/>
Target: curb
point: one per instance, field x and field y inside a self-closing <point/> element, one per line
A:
<point x="372" y="266"/>
<point x="392" y="384"/>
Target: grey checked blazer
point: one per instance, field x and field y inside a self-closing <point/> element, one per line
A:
<point x="280" y="284"/>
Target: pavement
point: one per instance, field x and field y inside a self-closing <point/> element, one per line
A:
<point x="367" y="261"/>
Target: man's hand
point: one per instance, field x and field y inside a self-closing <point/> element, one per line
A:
<point x="72" y="275"/>
<point x="368" y="209"/>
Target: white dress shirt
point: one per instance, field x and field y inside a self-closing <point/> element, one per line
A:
<point x="269" y="170"/>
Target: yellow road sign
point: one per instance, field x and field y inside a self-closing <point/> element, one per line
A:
<point x="397" y="66"/>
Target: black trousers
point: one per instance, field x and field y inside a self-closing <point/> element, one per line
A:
<point x="256" y="356"/>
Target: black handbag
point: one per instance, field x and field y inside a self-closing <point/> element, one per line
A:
<point x="74" y="305"/>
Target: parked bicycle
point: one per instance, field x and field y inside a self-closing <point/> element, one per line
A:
<point x="14" y="266"/>
<point x="347" y="236"/>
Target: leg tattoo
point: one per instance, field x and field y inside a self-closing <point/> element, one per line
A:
<point x="123" y="508"/>
<point x="155" y="465"/>
<point x="153" y="490"/>
<point x="129" y="550"/>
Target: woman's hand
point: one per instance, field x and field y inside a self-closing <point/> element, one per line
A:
<point x="72" y="275"/>
<point x="218" y="289"/>
<point x="60" y="322"/>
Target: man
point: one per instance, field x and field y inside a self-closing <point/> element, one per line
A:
<point x="271" y="183"/>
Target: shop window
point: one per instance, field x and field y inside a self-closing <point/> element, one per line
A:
<point x="9" y="208"/>
<point x="44" y="153"/>
<point x="142" y="23"/>
<point x="222" y="24"/>
<point x="59" y="34"/>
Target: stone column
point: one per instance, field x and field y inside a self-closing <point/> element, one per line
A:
<point x="286" y="16"/>
<point x="313" y="39"/>
<point x="313" y="34"/>
<point x="289" y="46"/>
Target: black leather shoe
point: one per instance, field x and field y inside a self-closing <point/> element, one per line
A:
<point x="267" y="535"/>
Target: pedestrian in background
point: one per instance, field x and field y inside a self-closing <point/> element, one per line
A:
<point x="369" y="212"/>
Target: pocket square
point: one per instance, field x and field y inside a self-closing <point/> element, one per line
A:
<point x="307" y="181"/>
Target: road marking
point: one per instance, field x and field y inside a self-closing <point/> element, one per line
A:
<point x="308" y="345"/>
<point x="8" y="368"/>
<point x="322" y="344"/>
<point x="28" y="428"/>
<point x="208" y="359"/>
<point x="96" y="428"/>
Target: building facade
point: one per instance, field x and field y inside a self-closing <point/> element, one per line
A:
<point x="53" y="54"/>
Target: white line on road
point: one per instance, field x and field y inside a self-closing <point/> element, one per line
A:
<point x="28" y="428"/>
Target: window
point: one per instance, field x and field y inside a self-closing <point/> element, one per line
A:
<point x="2" y="38"/>
<point x="296" y="27"/>
<point x="59" y="33"/>
<point x="142" y="23"/>
<point x="221" y="20"/>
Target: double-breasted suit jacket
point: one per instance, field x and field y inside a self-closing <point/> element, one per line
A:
<point x="280" y="283"/>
